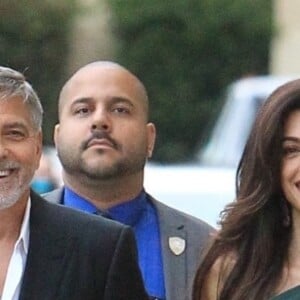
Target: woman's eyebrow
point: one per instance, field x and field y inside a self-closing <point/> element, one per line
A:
<point x="290" y="139"/>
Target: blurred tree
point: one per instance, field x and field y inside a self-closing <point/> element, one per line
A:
<point x="34" y="40"/>
<point x="186" y="52"/>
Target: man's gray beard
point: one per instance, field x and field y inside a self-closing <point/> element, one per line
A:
<point x="8" y="200"/>
<point x="11" y="194"/>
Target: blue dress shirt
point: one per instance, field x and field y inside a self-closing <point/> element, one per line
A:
<point x="140" y="214"/>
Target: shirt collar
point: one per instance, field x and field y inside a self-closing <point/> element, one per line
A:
<point x="23" y="238"/>
<point x="73" y="200"/>
<point x="128" y="212"/>
<point x="131" y="211"/>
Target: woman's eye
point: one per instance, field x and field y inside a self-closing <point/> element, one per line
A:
<point x="287" y="151"/>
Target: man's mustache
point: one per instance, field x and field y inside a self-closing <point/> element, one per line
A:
<point x="100" y="135"/>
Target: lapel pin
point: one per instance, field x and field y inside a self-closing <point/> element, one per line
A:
<point x="177" y="245"/>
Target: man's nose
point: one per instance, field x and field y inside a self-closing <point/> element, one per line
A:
<point x="3" y="148"/>
<point x="101" y="120"/>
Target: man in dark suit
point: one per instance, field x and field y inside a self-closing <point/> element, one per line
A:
<point x="49" y="251"/>
<point x="103" y="140"/>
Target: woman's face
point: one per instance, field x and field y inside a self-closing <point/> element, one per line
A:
<point x="290" y="171"/>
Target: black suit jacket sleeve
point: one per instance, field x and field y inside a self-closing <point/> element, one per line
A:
<point x="123" y="280"/>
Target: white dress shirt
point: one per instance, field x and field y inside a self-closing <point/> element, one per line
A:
<point x="12" y="285"/>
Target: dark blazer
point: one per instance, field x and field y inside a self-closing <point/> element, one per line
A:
<point x="183" y="239"/>
<point x="77" y="256"/>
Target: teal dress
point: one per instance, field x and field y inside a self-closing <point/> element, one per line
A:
<point x="291" y="294"/>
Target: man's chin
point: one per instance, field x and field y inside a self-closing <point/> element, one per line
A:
<point x="8" y="202"/>
<point x="108" y="175"/>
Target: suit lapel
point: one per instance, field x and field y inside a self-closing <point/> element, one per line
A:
<point x="173" y="237"/>
<point x="47" y="254"/>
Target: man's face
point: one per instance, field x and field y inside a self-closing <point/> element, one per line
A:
<point x="20" y="150"/>
<point x="103" y="132"/>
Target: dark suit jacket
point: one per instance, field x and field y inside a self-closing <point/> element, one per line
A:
<point x="76" y="256"/>
<point x="189" y="233"/>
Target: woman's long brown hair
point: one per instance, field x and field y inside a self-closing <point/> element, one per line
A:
<point x="253" y="227"/>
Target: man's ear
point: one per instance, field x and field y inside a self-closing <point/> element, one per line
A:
<point x="39" y="147"/>
<point x="40" y="142"/>
<point x="151" y="137"/>
<point x="55" y="133"/>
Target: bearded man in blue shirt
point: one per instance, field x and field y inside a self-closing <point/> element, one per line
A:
<point x="103" y="140"/>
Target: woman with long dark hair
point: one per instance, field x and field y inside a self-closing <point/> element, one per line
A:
<point x="256" y="253"/>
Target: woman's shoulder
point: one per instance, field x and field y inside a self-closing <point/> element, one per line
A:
<point x="217" y="276"/>
<point x="224" y="265"/>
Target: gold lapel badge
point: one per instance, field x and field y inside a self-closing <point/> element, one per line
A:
<point x="177" y="245"/>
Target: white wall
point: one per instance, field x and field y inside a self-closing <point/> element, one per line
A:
<point x="285" y="49"/>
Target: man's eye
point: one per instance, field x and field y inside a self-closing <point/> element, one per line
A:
<point x="15" y="134"/>
<point x="121" y="110"/>
<point x="81" y="111"/>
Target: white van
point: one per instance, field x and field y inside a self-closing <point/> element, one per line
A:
<point x="203" y="189"/>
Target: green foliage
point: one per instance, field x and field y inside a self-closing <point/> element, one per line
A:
<point x="33" y="40"/>
<point x="186" y="52"/>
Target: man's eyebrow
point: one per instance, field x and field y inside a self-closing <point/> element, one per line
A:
<point x="120" y="99"/>
<point x="18" y="125"/>
<point x="114" y="100"/>
<point x="82" y="100"/>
